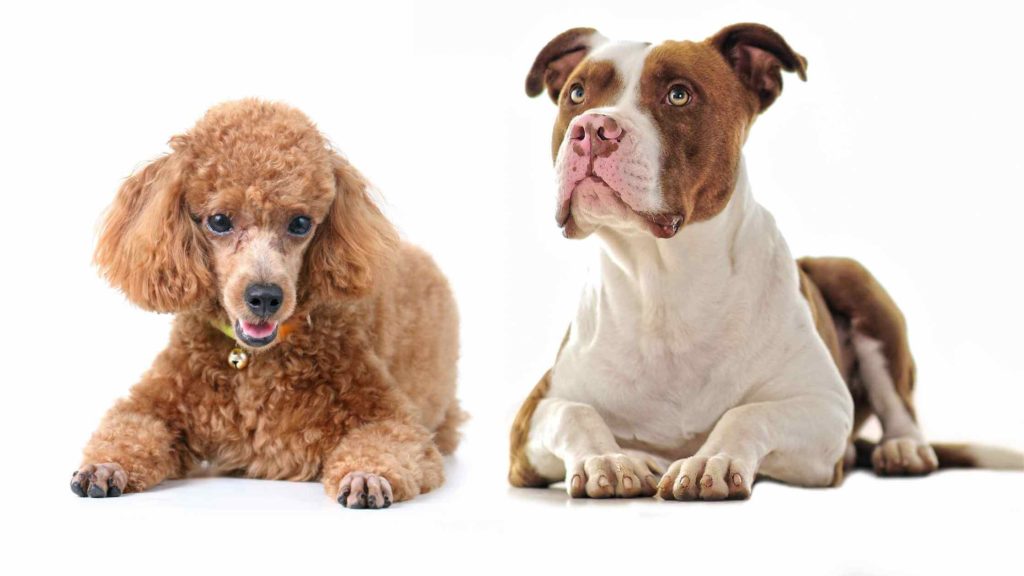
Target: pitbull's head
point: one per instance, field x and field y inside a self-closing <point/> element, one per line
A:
<point x="648" y="137"/>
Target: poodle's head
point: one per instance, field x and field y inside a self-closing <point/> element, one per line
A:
<point x="250" y="216"/>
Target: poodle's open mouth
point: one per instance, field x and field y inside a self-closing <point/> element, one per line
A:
<point x="255" y="334"/>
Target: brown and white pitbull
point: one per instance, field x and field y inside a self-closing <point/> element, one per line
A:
<point x="702" y="355"/>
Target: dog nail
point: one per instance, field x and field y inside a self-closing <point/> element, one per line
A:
<point x="707" y="481"/>
<point x="114" y="491"/>
<point x="371" y="502"/>
<point x="603" y="482"/>
<point x="387" y="502"/>
<point x="96" y="492"/>
<point x="76" y="487"/>
<point x="627" y="483"/>
<point x="577" y="483"/>
<point x="684" y="482"/>
<point x="737" y="480"/>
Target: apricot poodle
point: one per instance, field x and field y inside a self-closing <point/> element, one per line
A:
<point x="309" y="342"/>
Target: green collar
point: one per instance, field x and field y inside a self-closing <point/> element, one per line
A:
<point x="238" y="358"/>
<point x="224" y="327"/>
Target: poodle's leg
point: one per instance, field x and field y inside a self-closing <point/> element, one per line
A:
<point x="447" y="435"/>
<point x="383" y="462"/>
<point x="132" y="450"/>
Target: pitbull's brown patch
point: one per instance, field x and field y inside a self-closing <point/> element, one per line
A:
<point x="602" y="86"/>
<point x="520" y="472"/>
<point x="701" y="140"/>
<point x="854" y="295"/>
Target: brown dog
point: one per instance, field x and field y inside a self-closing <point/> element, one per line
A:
<point x="253" y="230"/>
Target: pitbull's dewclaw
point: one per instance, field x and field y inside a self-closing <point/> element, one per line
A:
<point x="703" y="353"/>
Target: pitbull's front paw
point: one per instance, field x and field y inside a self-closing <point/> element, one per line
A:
<point x="707" y="478"/>
<point x="365" y="490"/>
<point x="608" y="476"/>
<point x="903" y="457"/>
<point x="99" y="480"/>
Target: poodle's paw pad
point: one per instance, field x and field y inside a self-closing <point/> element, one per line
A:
<point x="609" y="476"/>
<point x="716" y="477"/>
<point x="903" y="457"/>
<point x="365" y="490"/>
<point x="99" y="480"/>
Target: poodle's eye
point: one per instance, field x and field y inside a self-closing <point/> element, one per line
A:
<point x="576" y="94"/>
<point x="300" y="225"/>
<point x="219" y="224"/>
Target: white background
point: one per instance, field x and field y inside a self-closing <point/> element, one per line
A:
<point x="903" y="149"/>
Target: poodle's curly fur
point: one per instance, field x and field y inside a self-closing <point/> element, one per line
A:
<point x="361" y="391"/>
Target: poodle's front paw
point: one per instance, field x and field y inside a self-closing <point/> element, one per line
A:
<point x="609" y="476"/>
<point x="717" y="477"/>
<point x="365" y="490"/>
<point x="99" y="480"/>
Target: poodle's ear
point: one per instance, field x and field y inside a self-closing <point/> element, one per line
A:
<point x="758" y="54"/>
<point x="149" y="248"/>
<point x="556" y="61"/>
<point x="353" y="242"/>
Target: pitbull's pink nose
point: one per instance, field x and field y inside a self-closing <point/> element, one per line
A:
<point x="609" y="129"/>
<point x="595" y="134"/>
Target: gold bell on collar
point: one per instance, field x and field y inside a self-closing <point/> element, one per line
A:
<point x="238" y="358"/>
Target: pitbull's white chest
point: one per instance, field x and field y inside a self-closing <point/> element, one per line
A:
<point x="651" y="385"/>
<point x="664" y="344"/>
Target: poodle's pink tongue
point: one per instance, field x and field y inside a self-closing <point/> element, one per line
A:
<point x="261" y="330"/>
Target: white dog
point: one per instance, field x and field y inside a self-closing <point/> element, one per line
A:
<point x="701" y="352"/>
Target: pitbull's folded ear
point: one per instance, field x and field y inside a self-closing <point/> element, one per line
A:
<point x="559" y="58"/>
<point x="757" y="54"/>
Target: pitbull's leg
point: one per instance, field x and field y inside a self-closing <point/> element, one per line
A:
<point x="903" y="449"/>
<point x="570" y="440"/>
<point x="799" y="441"/>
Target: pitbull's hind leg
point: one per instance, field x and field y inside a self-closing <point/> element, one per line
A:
<point x="883" y="365"/>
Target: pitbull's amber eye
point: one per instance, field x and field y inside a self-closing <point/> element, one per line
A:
<point x="300" y="226"/>
<point x="678" y="95"/>
<point x="576" y="94"/>
<point x="219" y="224"/>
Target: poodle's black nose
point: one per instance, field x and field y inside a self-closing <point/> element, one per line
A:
<point x="264" y="299"/>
